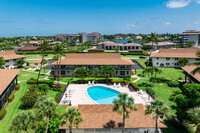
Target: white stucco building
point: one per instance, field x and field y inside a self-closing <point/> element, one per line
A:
<point x="191" y="35"/>
<point x="170" y="57"/>
<point x="160" y="45"/>
<point x="11" y="58"/>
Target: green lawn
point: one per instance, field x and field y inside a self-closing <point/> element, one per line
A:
<point x="38" y="56"/>
<point x="171" y="73"/>
<point x="133" y="56"/>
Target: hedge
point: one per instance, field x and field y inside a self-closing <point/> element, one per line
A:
<point x="11" y="97"/>
<point x="134" y="85"/>
<point x="174" y="83"/>
<point x="34" y="81"/>
<point x="140" y="64"/>
<point x="17" y="87"/>
<point x="2" y="112"/>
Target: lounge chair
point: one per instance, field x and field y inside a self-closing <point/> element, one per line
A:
<point x="114" y="85"/>
<point x="89" y="83"/>
<point x="92" y="82"/>
<point x="118" y="85"/>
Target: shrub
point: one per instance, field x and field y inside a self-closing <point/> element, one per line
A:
<point x="116" y="81"/>
<point x="26" y="67"/>
<point x="29" y="99"/>
<point x="43" y="88"/>
<point x="37" y="70"/>
<point x="32" y="87"/>
<point x="2" y="112"/>
<point x="125" y="82"/>
<point x="174" y="83"/>
<point x="58" y="85"/>
<point x="27" y="63"/>
<point x="180" y="78"/>
<point x="17" y="87"/>
<point x="34" y="81"/>
<point x="134" y="85"/>
<point x="140" y="64"/>
<point x="151" y="90"/>
<point x="11" y="97"/>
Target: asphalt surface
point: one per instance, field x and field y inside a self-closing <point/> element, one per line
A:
<point x="136" y="66"/>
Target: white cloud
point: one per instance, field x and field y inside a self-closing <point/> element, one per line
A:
<point x="130" y="25"/>
<point x="178" y="3"/>
<point x="167" y="23"/>
<point x="198" y="1"/>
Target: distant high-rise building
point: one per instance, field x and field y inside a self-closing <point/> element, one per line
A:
<point x="191" y="35"/>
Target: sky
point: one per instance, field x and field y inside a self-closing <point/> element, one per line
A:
<point x="50" y="17"/>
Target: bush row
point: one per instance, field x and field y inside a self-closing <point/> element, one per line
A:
<point x="133" y="85"/>
<point x="11" y="97"/>
<point x="2" y="112"/>
<point x="140" y="64"/>
<point x="34" y="81"/>
<point x="17" y="87"/>
<point x="173" y="83"/>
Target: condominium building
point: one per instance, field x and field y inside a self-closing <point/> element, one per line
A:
<point x="100" y="118"/>
<point x="191" y="35"/>
<point x="79" y="38"/>
<point x="189" y="78"/>
<point x="107" y="45"/>
<point x="93" y="60"/>
<point x="160" y="45"/>
<point x="170" y="57"/>
<point x="11" y="58"/>
<point x="8" y="81"/>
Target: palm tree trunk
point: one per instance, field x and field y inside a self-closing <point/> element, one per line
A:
<point x="150" y="54"/>
<point x="123" y="123"/>
<point x="47" y="125"/>
<point x="59" y="70"/>
<point x="156" y="125"/>
<point x="44" y="71"/>
<point x="70" y="130"/>
<point x="40" y="68"/>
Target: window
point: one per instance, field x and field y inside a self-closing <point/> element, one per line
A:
<point x="176" y="58"/>
<point x="197" y="59"/>
<point x="14" y="60"/>
<point x="62" y="66"/>
<point x="157" y="63"/>
<point x="167" y="63"/>
<point x="36" y="63"/>
<point x="167" y="58"/>
<point x="7" y="66"/>
<point x="157" y="58"/>
<point x="7" y="60"/>
<point x="62" y="72"/>
<point x="127" y="72"/>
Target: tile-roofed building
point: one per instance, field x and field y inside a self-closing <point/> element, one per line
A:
<point x="93" y="60"/>
<point x="107" y="45"/>
<point x="101" y="118"/>
<point x="11" y="58"/>
<point x="33" y="43"/>
<point x="170" y="57"/>
<point x="161" y="45"/>
<point x="36" y="64"/>
<point x="30" y="48"/>
<point x="188" y="76"/>
<point x="8" y="81"/>
<point x="191" y="36"/>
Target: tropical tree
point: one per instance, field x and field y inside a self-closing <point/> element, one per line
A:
<point x="44" y="108"/>
<point x="116" y="49"/>
<point x="157" y="71"/>
<point x="44" y="62"/>
<point x="81" y="48"/>
<point x="150" y="72"/>
<point x="59" y="51"/>
<point x="71" y="118"/>
<point x="20" y="63"/>
<point x="95" y="73"/>
<point x="157" y="108"/>
<point x="88" y="44"/>
<point x="183" y="61"/>
<point x="2" y="62"/>
<point x="107" y="71"/>
<point x="122" y="106"/>
<point x="154" y="40"/>
<point x="81" y="72"/>
<point x="193" y="122"/>
<point x="43" y="88"/>
<point x="24" y="121"/>
<point x="197" y="69"/>
<point x="43" y="46"/>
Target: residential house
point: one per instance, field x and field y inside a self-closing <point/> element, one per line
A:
<point x="100" y="118"/>
<point x="33" y="43"/>
<point x="93" y="60"/>
<point x="11" y="58"/>
<point x="8" y="81"/>
<point x="170" y="57"/>
<point x="189" y="78"/>
<point x="36" y="64"/>
<point x="191" y="35"/>
<point x="161" y="45"/>
<point x="30" y="48"/>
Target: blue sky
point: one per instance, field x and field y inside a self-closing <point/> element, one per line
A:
<point x="49" y="17"/>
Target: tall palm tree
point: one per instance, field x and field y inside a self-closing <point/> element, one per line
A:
<point x="122" y="105"/>
<point x="43" y="47"/>
<point x="193" y="122"/>
<point x="45" y="107"/>
<point x="71" y="118"/>
<point x="157" y="71"/>
<point x="23" y="122"/>
<point x="157" y="107"/>
<point x="95" y="73"/>
<point x="153" y="39"/>
<point x="149" y="71"/>
<point x="59" y="51"/>
<point x="197" y="69"/>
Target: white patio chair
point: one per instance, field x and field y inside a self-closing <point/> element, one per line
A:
<point x="89" y="83"/>
<point x="114" y="85"/>
<point x="92" y="82"/>
<point x="118" y="85"/>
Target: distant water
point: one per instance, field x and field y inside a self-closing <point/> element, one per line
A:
<point x="123" y="41"/>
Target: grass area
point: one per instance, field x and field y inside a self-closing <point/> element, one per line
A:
<point x="132" y="56"/>
<point x="69" y="79"/>
<point x="142" y="61"/>
<point x="37" y="56"/>
<point x="170" y="73"/>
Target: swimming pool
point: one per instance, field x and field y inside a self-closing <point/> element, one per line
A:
<point x="102" y="95"/>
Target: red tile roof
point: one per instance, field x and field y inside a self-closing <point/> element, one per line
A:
<point x="32" y="48"/>
<point x="189" y="69"/>
<point x="98" y="115"/>
<point x="9" y="55"/>
<point x="6" y="77"/>
<point x="160" y="43"/>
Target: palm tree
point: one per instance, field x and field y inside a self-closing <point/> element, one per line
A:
<point x="157" y="107"/>
<point x="153" y="39"/>
<point x="149" y="71"/>
<point x="193" y="122"/>
<point x="43" y="46"/>
<point x="122" y="105"/>
<point x="71" y="118"/>
<point x="59" y="51"/>
<point x="157" y="71"/>
<point x="107" y="71"/>
<point x="45" y="107"/>
<point x="23" y="122"/>
<point x="197" y="69"/>
<point x="81" y="72"/>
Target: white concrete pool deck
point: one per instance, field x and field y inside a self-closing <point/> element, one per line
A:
<point x="77" y="94"/>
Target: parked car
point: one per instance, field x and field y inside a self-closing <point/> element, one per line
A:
<point x="142" y="57"/>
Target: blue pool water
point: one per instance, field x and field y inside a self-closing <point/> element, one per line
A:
<point x="102" y="95"/>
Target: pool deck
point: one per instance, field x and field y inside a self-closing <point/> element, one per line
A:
<point x="77" y="94"/>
